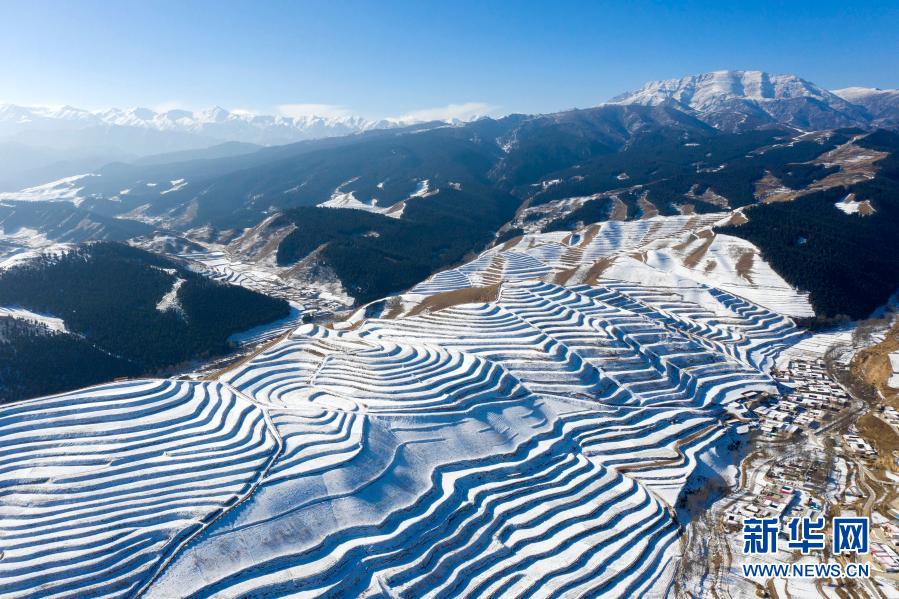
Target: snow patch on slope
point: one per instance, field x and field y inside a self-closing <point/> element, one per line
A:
<point x="169" y="301"/>
<point x="66" y="189"/>
<point x="894" y="364"/>
<point x="176" y="185"/>
<point x="343" y="199"/>
<point x="45" y="320"/>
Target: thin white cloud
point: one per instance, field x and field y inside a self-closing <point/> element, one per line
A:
<point x="451" y="112"/>
<point x="304" y="110"/>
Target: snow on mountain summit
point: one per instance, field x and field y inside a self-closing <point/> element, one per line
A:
<point x="702" y="91"/>
<point x="734" y="100"/>
<point x="881" y="104"/>
<point x="214" y="123"/>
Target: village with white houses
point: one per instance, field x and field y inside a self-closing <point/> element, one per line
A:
<point x="827" y="473"/>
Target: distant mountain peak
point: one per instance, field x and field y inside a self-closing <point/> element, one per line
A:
<point x="881" y="104"/>
<point x="212" y="125"/>
<point x="738" y="100"/>
<point x="700" y="90"/>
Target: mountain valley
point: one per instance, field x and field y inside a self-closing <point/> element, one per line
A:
<point x="531" y="356"/>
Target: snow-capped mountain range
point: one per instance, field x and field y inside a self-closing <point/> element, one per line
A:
<point x="881" y="104"/>
<point x="735" y="99"/>
<point x="215" y="123"/>
<point x="38" y="144"/>
<point x="739" y="100"/>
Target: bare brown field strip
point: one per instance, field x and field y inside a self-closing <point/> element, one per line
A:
<point x="456" y="297"/>
<point x="693" y="259"/>
<point x="599" y="267"/>
<point x="619" y="210"/>
<point x="744" y="265"/>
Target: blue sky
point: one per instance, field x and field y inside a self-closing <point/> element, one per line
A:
<point x="380" y="59"/>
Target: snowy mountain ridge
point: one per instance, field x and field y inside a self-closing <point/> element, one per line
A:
<point x="704" y="91"/>
<point x="215" y="122"/>
<point x="735" y="100"/>
<point x="881" y="104"/>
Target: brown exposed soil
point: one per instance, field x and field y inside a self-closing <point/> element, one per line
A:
<point x="396" y="207"/>
<point x="865" y="208"/>
<point x="770" y="189"/>
<point x="511" y="243"/>
<point x="679" y="247"/>
<point x="856" y="165"/>
<point x="600" y="266"/>
<point x="619" y="210"/>
<point x="745" y="263"/>
<point x="694" y="257"/>
<point x="394" y="308"/>
<point x="653" y="229"/>
<point x="708" y="196"/>
<point x="589" y="233"/>
<point x="562" y="277"/>
<point x="647" y="208"/>
<point x="879" y="432"/>
<point x="456" y="297"/>
<point x="873" y="366"/>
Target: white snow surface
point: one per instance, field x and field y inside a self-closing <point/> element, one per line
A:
<point x="857" y="94"/>
<point x="176" y="185"/>
<point x="531" y="445"/>
<point x="27" y="245"/>
<point x="652" y="252"/>
<point x="894" y="363"/>
<point x="51" y="322"/>
<point x="169" y="301"/>
<point x="847" y="206"/>
<point x="705" y="91"/>
<point x="343" y="199"/>
<point x="62" y="190"/>
<point x="214" y="123"/>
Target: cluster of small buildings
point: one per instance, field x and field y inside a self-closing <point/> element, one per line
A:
<point x="775" y="500"/>
<point x="814" y="399"/>
<point x="885" y="556"/>
<point x="891" y="531"/>
<point x="857" y="444"/>
<point x="891" y="415"/>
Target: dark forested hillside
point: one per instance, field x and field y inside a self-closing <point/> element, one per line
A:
<point x="457" y="185"/>
<point x="846" y="262"/>
<point x="108" y="294"/>
<point x="384" y="166"/>
<point x="670" y="163"/>
<point x="375" y="255"/>
<point x="37" y="362"/>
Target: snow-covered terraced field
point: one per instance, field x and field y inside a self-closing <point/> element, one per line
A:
<point x="266" y="279"/>
<point x="534" y="444"/>
<point x="98" y="486"/>
<point x="660" y="251"/>
<point x="220" y="267"/>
